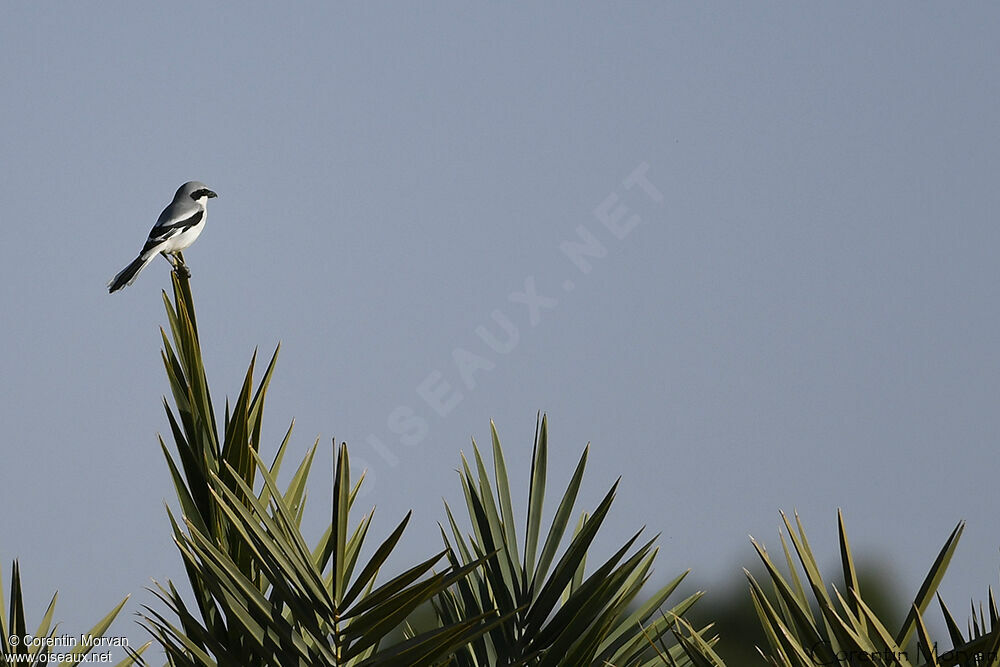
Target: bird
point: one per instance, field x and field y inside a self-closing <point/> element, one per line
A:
<point x="180" y="223"/>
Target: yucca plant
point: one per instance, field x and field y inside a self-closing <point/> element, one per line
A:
<point x="14" y="629"/>
<point x="981" y="645"/>
<point x="695" y="649"/>
<point x="263" y="596"/>
<point x="846" y="630"/>
<point x="315" y="606"/>
<point x="553" y="612"/>
<point x="205" y="461"/>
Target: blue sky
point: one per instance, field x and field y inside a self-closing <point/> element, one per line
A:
<point x="805" y="319"/>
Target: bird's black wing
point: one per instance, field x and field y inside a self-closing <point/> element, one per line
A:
<point x="161" y="233"/>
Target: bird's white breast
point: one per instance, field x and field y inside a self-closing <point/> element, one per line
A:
<point x="187" y="237"/>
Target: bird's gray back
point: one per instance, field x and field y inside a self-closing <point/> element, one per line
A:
<point x="181" y="208"/>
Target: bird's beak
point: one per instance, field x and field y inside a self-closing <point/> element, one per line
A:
<point x="211" y="194"/>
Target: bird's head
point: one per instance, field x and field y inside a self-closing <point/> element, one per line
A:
<point x="195" y="190"/>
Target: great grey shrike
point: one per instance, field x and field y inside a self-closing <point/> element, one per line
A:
<point x="177" y="227"/>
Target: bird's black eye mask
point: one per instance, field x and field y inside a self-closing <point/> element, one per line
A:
<point x="204" y="192"/>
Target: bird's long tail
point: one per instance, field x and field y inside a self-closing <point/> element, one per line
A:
<point x="128" y="275"/>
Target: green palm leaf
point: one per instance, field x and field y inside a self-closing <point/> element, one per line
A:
<point x="849" y="626"/>
<point x="553" y="612"/>
<point x="265" y="596"/>
<point x="14" y="624"/>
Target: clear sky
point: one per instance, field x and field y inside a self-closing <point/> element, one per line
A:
<point x="795" y="306"/>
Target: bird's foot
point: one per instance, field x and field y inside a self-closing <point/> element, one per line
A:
<point x="182" y="270"/>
